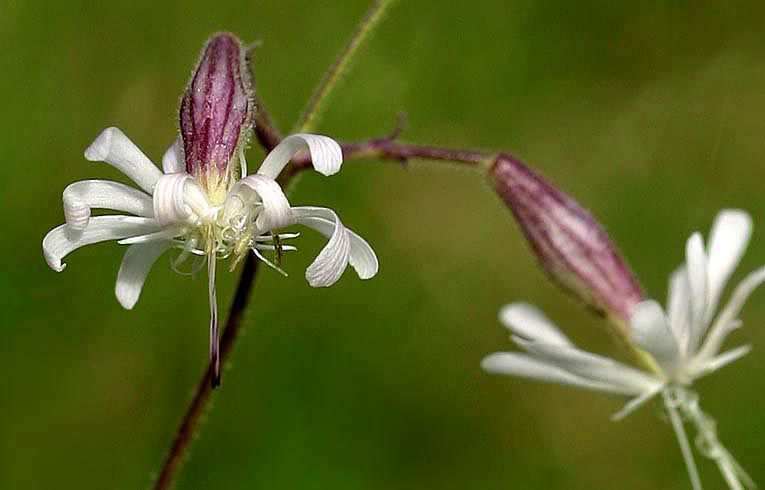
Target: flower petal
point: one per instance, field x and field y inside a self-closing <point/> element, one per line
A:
<point x="651" y="332"/>
<point x="721" y="360"/>
<point x="172" y="160"/>
<point x="62" y="240"/>
<point x="527" y="321"/>
<point x="116" y="149"/>
<point x="727" y="242"/>
<point x="80" y="197"/>
<point x="726" y="320"/>
<point x="163" y="235"/>
<point x="362" y="257"/>
<point x="636" y="403"/>
<point x="326" y="154"/>
<point x="591" y="366"/>
<point x="135" y="266"/>
<point x="678" y="307"/>
<point x="696" y="264"/>
<point x="329" y="265"/>
<point x="169" y="198"/>
<point x="525" y="366"/>
<point x="275" y="212"/>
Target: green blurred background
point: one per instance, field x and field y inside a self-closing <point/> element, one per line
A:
<point x="653" y="116"/>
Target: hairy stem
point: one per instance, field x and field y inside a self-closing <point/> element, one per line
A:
<point x="184" y="436"/>
<point x="329" y="82"/>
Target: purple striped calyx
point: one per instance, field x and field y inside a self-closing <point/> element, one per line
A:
<point x="215" y="114"/>
<point x="571" y="245"/>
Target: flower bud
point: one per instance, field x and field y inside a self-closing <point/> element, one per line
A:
<point x="571" y="246"/>
<point x="215" y="113"/>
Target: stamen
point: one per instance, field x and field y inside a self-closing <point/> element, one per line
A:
<point x="268" y="262"/>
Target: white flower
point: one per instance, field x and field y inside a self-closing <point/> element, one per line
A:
<point x="178" y="210"/>
<point x="685" y="342"/>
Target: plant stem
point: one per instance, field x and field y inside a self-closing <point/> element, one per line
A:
<point x="670" y="403"/>
<point x="387" y="148"/>
<point x="184" y="436"/>
<point x="329" y="82"/>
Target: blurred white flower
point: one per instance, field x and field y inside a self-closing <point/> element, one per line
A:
<point x="684" y="342"/>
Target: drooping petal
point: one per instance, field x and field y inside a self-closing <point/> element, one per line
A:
<point x="678" y="306"/>
<point x="275" y="212"/>
<point x="726" y="320"/>
<point x="80" y="197"/>
<point x="696" y="264"/>
<point x="329" y="265"/>
<point x="651" y="332"/>
<point x="529" y="322"/>
<point x="362" y="257"/>
<point x="62" y="240"/>
<point x="525" y="366"/>
<point x="326" y="154"/>
<point x="591" y="366"/>
<point x="172" y="160"/>
<point x="116" y="149"/>
<point x="135" y="266"/>
<point x="727" y="242"/>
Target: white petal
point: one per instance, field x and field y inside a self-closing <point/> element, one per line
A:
<point x="172" y="160"/>
<point x="80" y="197"/>
<point x="591" y="366"/>
<point x="528" y="322"/>
<point x="726" y="320"/>
<point x="727" y="242"/>
<point x="63" y="239"/>
<point x="276" y="212"/>
<point x="326" y="154"/>
<point x="678" y="306"/>
<point x="362" y="258"/>
<point x="329" y="265"/>
<point x="135" y="266"/>
<point x="116" y="149"/>
<point x="525" y="366"/>
<point x="636" y="403"/>
<point x="696" y="263"/>
<point x="721" y="360"/>
<point x="169" y="198"/>
<point x="651" y="332"/>
<point x="163" y="235"/>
